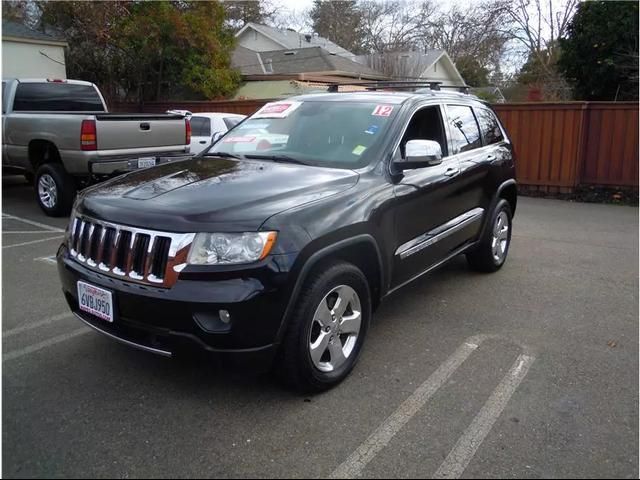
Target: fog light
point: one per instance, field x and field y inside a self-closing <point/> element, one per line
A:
<point x="224" y="316"/>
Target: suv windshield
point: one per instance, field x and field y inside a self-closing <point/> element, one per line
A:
<point x="332" y="134"/>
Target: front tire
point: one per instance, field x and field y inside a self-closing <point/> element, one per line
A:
<point x="491" y="252"/>
<point x="327" y="329"/>
<point x="55" y="189"/>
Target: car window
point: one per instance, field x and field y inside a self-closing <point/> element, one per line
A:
<point x="57" y="96"/>
<point x="341" y="134"/>
<point x="231" y="122"/>
<point x="465" y="134"/>
<point x="491" y="132"/>
<point x="200" y="126"/>
<point x="426" y="124"/>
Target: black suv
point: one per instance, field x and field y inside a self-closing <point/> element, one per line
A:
<point x="278" y="243"/>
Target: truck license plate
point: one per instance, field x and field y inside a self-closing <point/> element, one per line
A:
<point x="146" y="162"/>
<point x="96" y="301"/>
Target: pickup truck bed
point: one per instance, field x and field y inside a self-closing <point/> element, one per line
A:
<point x="60" y="133"/>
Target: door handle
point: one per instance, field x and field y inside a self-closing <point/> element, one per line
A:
<point x="452" y="172"/>
<point x="203" y="142"/>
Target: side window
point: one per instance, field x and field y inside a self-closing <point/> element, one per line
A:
<point x="200" y="126"/>
<point x="426" y="124"/>
<point x="489" y="127"/>
<point x="465" y="134"/>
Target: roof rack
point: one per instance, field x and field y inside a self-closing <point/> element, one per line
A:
<point x="397" y="85"/>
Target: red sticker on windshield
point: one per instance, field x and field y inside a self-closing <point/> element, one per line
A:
<point x="383" y="110"/>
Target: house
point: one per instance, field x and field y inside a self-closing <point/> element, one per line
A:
<point x="282" y="73"/>
<point x="431" y="66"/>
<point x="261" y="38"/>
<point x="32" y="54"/>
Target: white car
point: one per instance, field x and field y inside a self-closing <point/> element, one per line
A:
<point x="205" y="124"/>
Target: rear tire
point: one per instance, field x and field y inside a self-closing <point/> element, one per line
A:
<point x="327" y="329"/>
<point x="55" y="189"/>
<point x="491" y="252"/>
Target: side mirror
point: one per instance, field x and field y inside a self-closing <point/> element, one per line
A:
<point x="215" y="137"/>
<point x="420" y="154"/>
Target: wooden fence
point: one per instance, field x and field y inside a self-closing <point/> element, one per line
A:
<point x="559" y="146"/>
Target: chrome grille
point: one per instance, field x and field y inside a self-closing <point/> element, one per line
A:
<point x="144" y="256"/>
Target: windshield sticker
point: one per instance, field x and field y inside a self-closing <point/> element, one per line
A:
<point x="243" y="139"/>
<point x="383" y="110"/>
<point x="372" y="130"/>
<point x="359" y="150"/>
<point x="277" y="110"/>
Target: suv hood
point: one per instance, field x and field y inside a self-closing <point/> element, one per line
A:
<point x="211" y="194"/>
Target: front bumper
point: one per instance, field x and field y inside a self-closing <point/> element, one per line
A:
<point x="185" y="317"/>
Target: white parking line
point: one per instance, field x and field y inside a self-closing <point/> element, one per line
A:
<point x="358" y="460"/>
<point x="467" y="445"/>
<point x="26" y="232"/>
<point x="41" y="323"/>
<point x="32" y="242"/>
<point x="33" y="222"/>
<point x="50" y="259"/>
<point x="47" y="343"/>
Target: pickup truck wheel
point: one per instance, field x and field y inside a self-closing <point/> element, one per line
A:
<point x="327" y="329"/>
<point x="55" y="189"/>
<point x="492" y="250"/>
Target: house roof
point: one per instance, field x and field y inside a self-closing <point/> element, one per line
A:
<point x="290" y="39"/>
<point x="19" y="31"/>
<point x="412" y="64"/>
<point x="298" y="60"/>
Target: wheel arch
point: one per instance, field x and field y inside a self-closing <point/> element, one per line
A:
<point x="361" y="250"/>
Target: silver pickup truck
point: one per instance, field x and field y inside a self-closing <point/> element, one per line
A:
<point x="60" y="135"/>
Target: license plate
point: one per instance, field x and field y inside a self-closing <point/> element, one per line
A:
<point x="146" y="162"/>
<point x="96" y="301"/>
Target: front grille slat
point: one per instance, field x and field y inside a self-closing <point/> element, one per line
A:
<point x="144" y="256"/>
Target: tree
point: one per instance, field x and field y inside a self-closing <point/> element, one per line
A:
<point x="241" y="12"/>
<point x="339" y="21"/>
<point x="147" y="50"/>
<point x="393" y="25"/>
<point x="600" y="54"/>
<point x="538" y="24"/>
<point x="473" y="72"/>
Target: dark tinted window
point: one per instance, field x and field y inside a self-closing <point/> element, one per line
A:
<point x="62" y="97"/>
<point x="200" y="126"/>
<point x="4" y="95"/>
<point x="231" y="122"/>
<point x="489" y="127"/>
<point x="465" y="134"/>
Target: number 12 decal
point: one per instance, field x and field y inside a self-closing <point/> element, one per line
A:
<point x="383" y="110"/>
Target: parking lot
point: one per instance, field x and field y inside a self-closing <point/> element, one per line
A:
<point x="531" y="372"/>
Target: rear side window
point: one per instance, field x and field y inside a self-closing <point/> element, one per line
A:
<point x="60" y="97"/>
<point x="465" y="134"/>
<point x="489" y="126"/>
<point x="231" y="122"/>
<point x="200" y="126"/>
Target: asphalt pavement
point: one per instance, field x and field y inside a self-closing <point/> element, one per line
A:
<point x="531" y="372"/>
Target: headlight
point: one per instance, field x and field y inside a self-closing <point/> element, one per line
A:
<point x="230" y="248"/>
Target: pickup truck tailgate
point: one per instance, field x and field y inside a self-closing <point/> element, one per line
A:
<point x="115" y="132"/>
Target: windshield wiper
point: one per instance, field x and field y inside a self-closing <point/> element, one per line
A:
<point x="224" y="155"/>
<point x="277" y="158"/>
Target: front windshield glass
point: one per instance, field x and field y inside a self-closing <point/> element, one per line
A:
<point x="322" y="133"/>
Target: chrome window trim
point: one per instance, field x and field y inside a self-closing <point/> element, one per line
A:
<point x="439" y="233"/>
